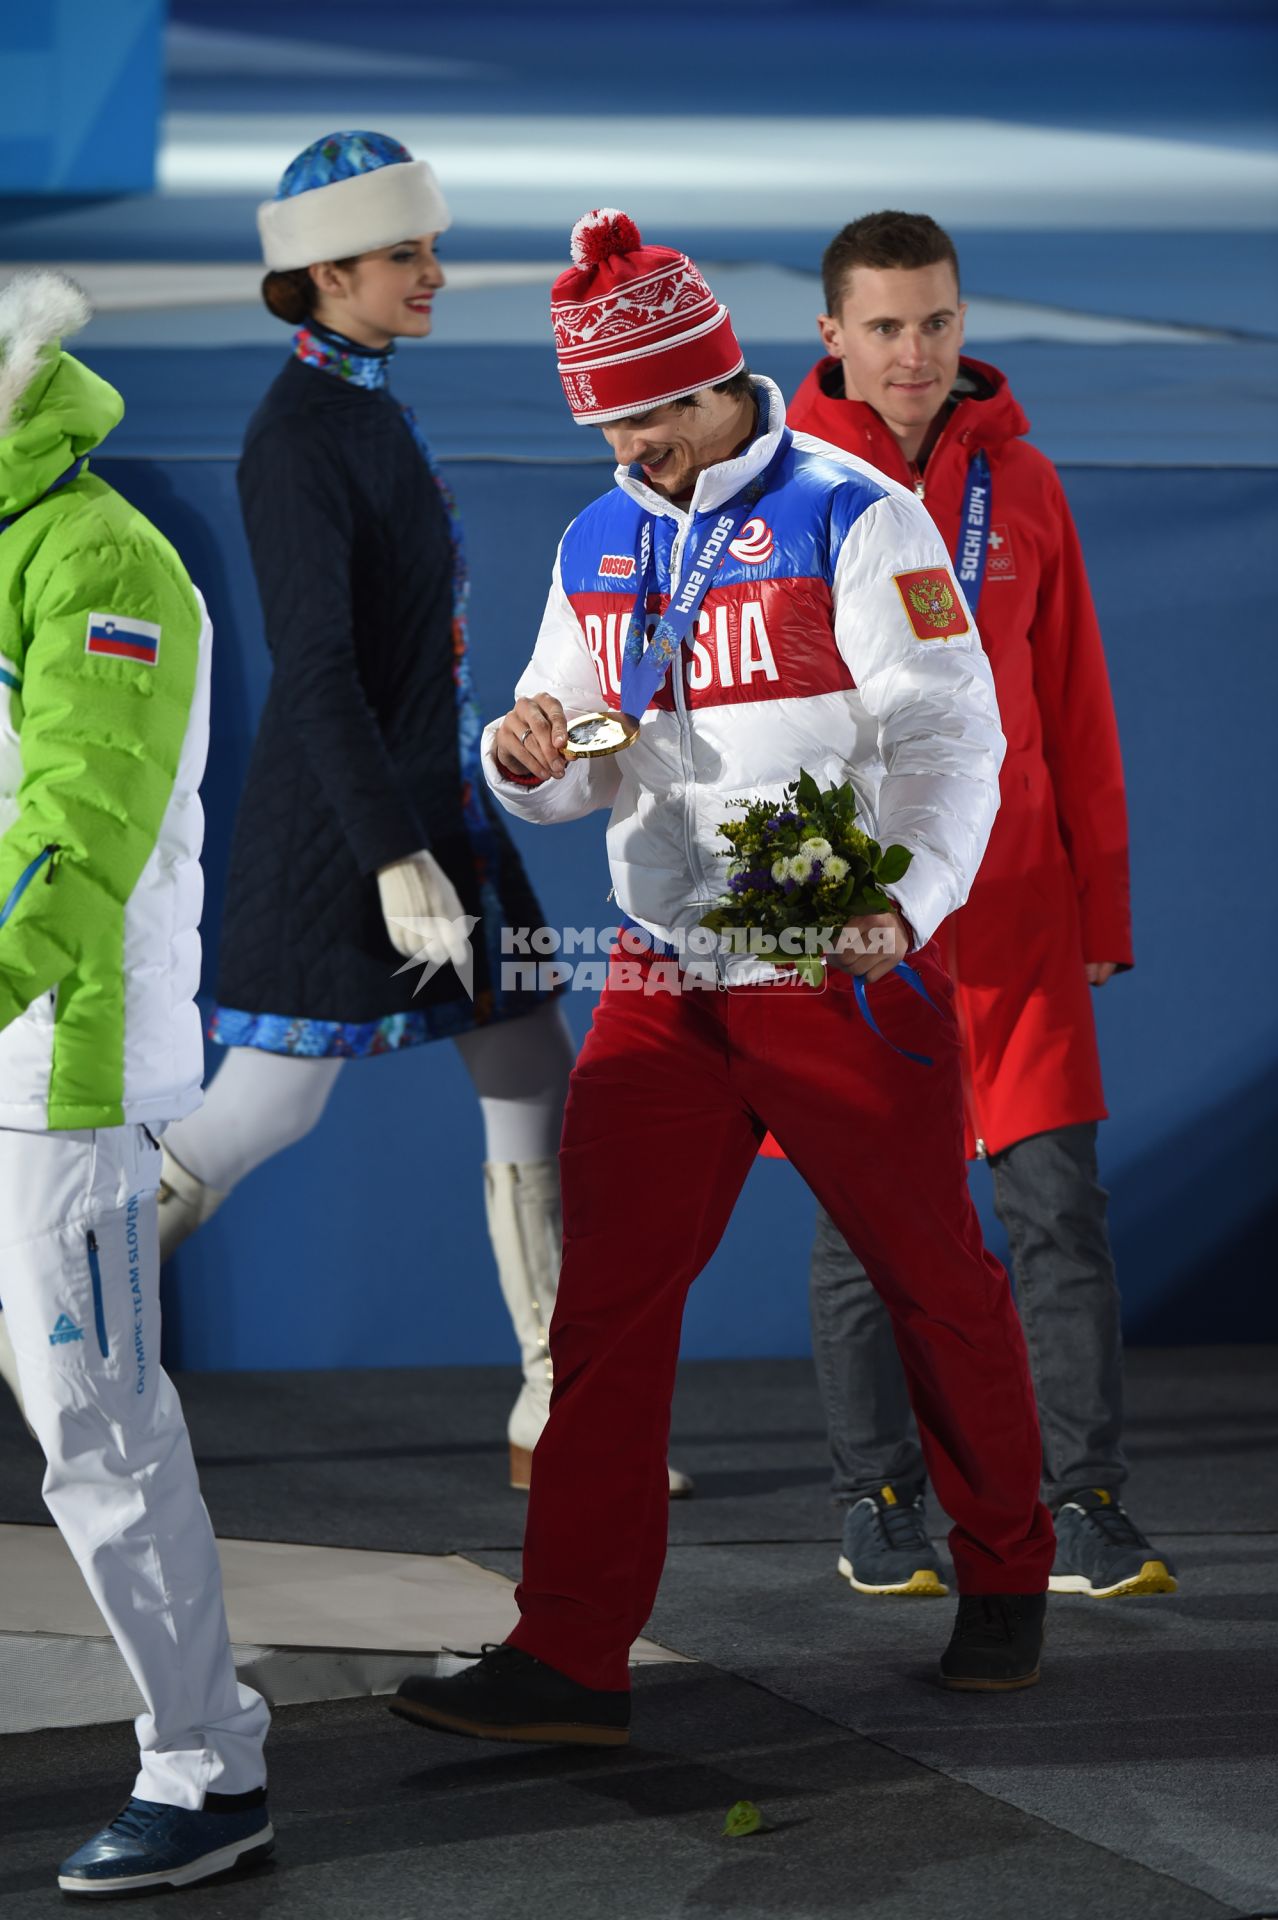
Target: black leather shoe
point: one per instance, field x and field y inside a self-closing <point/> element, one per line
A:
<point x="996" y="1643"/>
<point x="510" y="1695"/>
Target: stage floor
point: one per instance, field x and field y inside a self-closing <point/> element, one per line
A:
<point x="1139" y="1779"/>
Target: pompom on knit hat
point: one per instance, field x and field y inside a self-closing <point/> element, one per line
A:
<point x="634" y="326"/>
<point x="349" y="193"/>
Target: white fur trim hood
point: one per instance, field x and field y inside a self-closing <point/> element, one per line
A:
<point x="36" y="309"/>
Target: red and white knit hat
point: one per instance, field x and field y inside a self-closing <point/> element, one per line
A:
<point x="635" y="326"/>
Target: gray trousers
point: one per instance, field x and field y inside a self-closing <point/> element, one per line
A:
<point x="1053" y="1207"/>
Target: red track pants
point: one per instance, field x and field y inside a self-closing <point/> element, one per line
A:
<point x="666" y="1107"/>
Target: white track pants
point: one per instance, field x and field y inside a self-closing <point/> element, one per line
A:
<point x="79" y="1278"/>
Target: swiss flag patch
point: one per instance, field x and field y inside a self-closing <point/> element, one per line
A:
<point x="933" y="605"/>
<point x="1001" y="564"/>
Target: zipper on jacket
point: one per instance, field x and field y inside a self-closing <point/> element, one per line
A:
<point x="46" y="857"/>
<point x="95" y="1275"/>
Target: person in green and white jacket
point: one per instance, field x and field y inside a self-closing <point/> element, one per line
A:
<point x="104" y="689"/>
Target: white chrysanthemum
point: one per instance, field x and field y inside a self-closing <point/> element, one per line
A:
<point x="817" y="848"/>
<point x="801" y="866"/>
<point x="781" y="868"/>
<point x="836" y="868"/>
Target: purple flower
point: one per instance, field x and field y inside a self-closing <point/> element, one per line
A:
<point x="788" y="886"/>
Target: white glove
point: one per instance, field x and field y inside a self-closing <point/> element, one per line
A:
<point x="420" y="906"/>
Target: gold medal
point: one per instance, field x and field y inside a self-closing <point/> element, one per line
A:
<point x="592" y="735"/>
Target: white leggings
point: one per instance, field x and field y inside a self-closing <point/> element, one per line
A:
<point x="259" y="1102"/>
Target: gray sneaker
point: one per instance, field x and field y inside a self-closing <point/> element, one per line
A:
<point x="886" y="1548"/>
<point x="1100" y="1551"/>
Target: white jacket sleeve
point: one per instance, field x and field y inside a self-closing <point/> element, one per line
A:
<point x="933" y="701"/>
<point x="561" y="665"/>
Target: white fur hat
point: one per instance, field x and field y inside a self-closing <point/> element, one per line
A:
<point x="349" y="193"/>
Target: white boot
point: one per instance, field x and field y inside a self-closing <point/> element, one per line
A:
<point x="525" y="1224"/>
<point x="9" y="1372"/>
<point x="183" y="1204"/>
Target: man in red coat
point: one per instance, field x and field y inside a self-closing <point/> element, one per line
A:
<point x="1048" y="918"/>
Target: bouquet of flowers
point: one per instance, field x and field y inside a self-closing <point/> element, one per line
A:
<point x="799" y="871"/>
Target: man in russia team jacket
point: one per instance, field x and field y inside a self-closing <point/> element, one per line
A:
<point x="843" y="573"/>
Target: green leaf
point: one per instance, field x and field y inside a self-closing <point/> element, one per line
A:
<point x="807" y="791"/>
<point x="893" y="865"/>
<point x="809" y="967"/>
<point x="742" y="1819"/>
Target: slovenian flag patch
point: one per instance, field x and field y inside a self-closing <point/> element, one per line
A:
<point x="123" y="639"/>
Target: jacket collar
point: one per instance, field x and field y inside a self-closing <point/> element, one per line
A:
<point x="985" y="413"/>
<point x="722" y="483"/>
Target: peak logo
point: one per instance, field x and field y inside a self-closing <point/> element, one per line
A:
<point x="617" y="566"/>
<point x="754" y="544"/>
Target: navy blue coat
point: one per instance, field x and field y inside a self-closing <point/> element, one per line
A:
<point x="356" y="762"/>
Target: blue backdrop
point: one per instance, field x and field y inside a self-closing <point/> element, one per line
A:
<point x="365" y="1245"/>
<point x="81" y="95"/>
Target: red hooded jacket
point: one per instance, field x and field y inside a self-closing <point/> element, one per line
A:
<point x="1052" y="892"/>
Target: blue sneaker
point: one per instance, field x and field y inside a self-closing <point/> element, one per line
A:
<point x="151" y="1845"/>
<point x="1100" y="1551"/>
<point x="886" y="1548"/>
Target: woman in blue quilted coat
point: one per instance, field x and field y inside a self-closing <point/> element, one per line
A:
<point x="365" y="836"/>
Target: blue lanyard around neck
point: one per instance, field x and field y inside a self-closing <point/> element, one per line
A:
<point x="72" y="473"/>
<point x="644" y="667"/>
<point x="974" y="530"/>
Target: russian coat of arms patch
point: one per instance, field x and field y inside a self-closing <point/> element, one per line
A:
<point x="932" y="603"/>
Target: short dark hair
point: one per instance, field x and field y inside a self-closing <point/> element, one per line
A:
<point x="887" y="239"/>
<point x="738" y="385"/>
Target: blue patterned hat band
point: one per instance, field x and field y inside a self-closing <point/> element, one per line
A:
<point x="339" y="156"/>
<point x="349" y="193"/>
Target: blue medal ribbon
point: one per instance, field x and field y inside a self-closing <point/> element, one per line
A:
<point x="912" y="979"/>
<point x="72" y="473"/>
<point x="974" y="530"/>
<point x="645" y="663"/>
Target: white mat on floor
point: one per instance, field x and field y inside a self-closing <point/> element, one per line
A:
<point x="307" y="1623"/>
